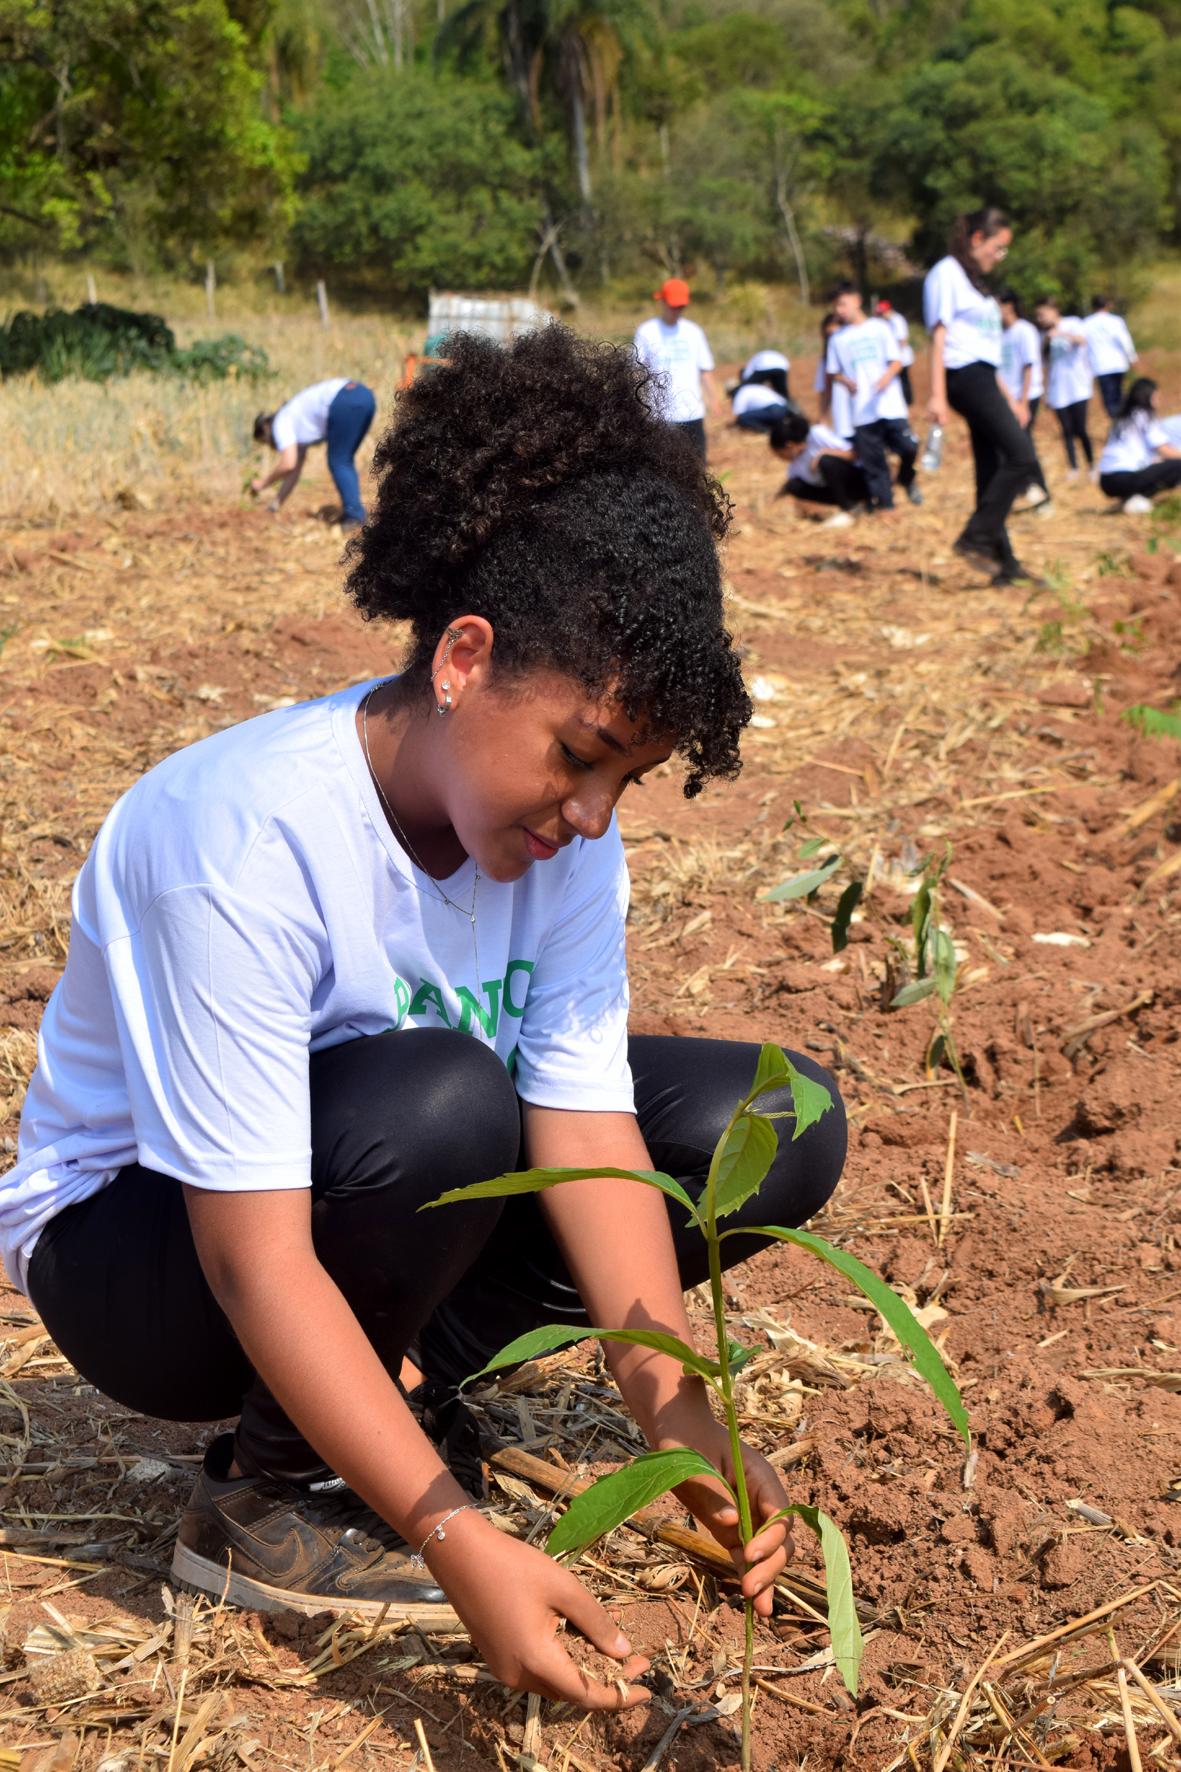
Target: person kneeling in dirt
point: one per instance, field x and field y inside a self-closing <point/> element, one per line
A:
<point x="338" y="413"/>
<point x="760" y="397"/>
<point x="824" y="469"/>
<point x="1141" y="457"/>
<point x="330" y="962"/>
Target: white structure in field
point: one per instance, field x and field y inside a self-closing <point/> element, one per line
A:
<point x="497" y="317"/>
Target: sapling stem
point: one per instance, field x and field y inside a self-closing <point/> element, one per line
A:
<point x="745" y="1525"/>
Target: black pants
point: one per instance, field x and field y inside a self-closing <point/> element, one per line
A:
<point x="1039" y="478"/>
<point x="1158" y="476"/>
<point x="872" y="443"/>
<point x="1034" y="408"/>
<point x="843" y="484"/>
<point x="1073" y="423"/>
<point x="765" y="418"/>
<point x="396" y="1119"/>
<point x="1004" y="457"/>
<point x="905" y="384"/>
<point x="694" y="429"/>
<point x="1111" y="391"/>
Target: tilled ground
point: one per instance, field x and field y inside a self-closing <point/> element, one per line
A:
<point x="1029" y="1214"/>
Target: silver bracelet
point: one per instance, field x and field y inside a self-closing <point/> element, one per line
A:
<point x="437" y="1531"/>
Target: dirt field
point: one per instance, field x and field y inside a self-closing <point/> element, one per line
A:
<point x="1030" y="1215"/>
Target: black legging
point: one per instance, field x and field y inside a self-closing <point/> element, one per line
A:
<point x="843" y="484"/>
<point x="1003" y="454"/>
<point x="1158" y="476"/>
<point x="1073" y="423"/>
<point x="397" y="1118"/>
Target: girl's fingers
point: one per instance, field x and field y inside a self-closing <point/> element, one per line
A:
<point x="556" y="1676"/>
<point x="591" y="1620"/>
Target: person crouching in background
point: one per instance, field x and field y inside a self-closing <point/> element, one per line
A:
<point x="1141" y="458"/>
<point x="337" y="413"/>
<point x="824" y="469"/>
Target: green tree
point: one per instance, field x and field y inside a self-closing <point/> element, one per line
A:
<point x="120" y="118"/>
<point x="420" y="180"/>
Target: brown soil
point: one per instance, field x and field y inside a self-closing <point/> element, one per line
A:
<point x="1031" y="1215"/>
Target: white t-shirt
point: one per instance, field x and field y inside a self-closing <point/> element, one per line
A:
<point x="753" y="397"/>
<point x="1070" y="378"/>
<point x="898" y="326"/>
<point x="821" y="440"/>
<point x="864" y="352"/>
<point x="246" y="904"/>
<point x="840" y="400"/>
<point x="972" y="317"/>
<point x="1171" y="426"/>
<point x="764" y="360"/>
<point x="1133" y="445"/>
<point x="1021" y="349"/>
<point x="677" y="355"/>
<point x="1109" y="343"/>
<point x="304" y="418"/>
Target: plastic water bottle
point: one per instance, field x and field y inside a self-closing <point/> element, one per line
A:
<point x="933" y="454"/>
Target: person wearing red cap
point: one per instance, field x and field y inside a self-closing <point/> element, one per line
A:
<point x="675" y="351"/>
<point x="898" y="325"/>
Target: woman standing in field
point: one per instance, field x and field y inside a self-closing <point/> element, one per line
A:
<point x="1022" y="379"/>
<point x="1110" y="351"/>
<point x="338" y="413"/>
<point x="1141" y="457"/>
<point x="1069" y="382"/>
<point x="330" y="962"/>
<point x="964" y="321"/>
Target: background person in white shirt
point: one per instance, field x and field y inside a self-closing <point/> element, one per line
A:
<point x="1022" y="378"/>
<point x="1069" y="380"/>
<point x="337" y="413"/>
<point x="677" y="353"/>
<point x="864" y="358"/>
<point x="761" y="397"/>
<point x="329" y="962"/>
<point x="1141" y="458"/>
<point x="1112" y="353"/>
<point x="900" y="327"/>
<point x="834" y="405"/>
<point x="824" y="469"/>
<point x="964" y="321"/>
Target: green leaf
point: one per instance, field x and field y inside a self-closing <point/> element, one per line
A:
<point x="739" y="1355"/>
<point x="550" y="1336"/>
<point x="843" y="1625"/>
<point x="616" y="1497"/>
<point x="533" y="1181"/>
<point x="812" y="847"/>
<point x="810" y="1099"/>
<point x="771" y="1072"/>
<point x="920" y="919"/>
<point x="847" y="903"/>
<point x="802" y="885"/>
<point x="945" y="964"/>
<point x="914" y="992"/>
<point x="1152" y="722"/>
<point x="910" y="1333"/>
<point x="748" y="1152"/>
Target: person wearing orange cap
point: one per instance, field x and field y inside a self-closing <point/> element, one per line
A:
<point x="675" y="351"/>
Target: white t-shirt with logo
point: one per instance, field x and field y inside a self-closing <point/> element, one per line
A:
<point x="1133" y="445"/>
<point x="1021" y="349"/>
<point x="1070" y="379"/>
<point x="972" y="318"/>
<point x="1109" y="343"/>
<point x="304" y="418"/>
<point x="821" y="440"/>
<point x="864" y="352"/>
<point x="246" y="904"/>
<point x="677" y="355"/>
<point x="899" y="327"/>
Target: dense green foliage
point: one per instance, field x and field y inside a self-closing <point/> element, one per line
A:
<point x="99" y="341"/>
<point x="463" y="142"/>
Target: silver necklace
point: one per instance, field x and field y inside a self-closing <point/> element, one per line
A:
<point x="437" y="890"/>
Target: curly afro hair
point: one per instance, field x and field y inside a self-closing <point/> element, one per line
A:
<point x="531" y="484"/>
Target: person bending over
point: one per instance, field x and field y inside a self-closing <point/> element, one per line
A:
<point x="824" y="469"/>
<point x="1141" y="457"/>
<point x="337" y="413"/>
<point x="328" y="963"/>
<point x="761" y="397"/>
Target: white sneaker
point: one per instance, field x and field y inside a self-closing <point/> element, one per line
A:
<point x="1032" y="497"/>
<point x="838" y="520"/>
<point x="1045" y="508"/>
<point x="1137" y="505"/>
<point x="1072" y="475"/>
<point x="1093" y="476"/>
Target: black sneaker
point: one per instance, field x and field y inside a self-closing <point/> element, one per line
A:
<point x="976" y="554"/>
<point x="269" y="1545"/>
<point x="914" y="493"/>
<point x="1016" y="574"/>
<point x="446" y="1420"/>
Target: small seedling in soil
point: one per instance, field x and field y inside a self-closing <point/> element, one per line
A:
<point x="741" y="1161"/>
<point x="1155" y="722"/>
<point x="935" y="964"/>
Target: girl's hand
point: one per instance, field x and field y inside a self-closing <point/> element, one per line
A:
<point x="937" y="410"/>
<point x="513" y="1599"/>
<point x="258" y="485"/>
<point x="770" y="1550"/>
